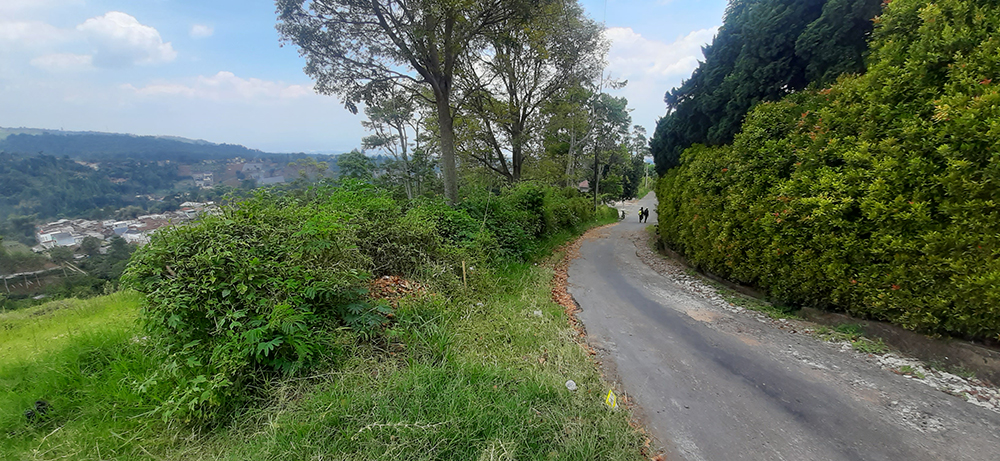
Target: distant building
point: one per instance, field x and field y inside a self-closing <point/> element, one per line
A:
<point x="584" y="186"/>
<point x="64" y="239"/>
<point x="136" y="237"/>
<point x="272" y="180"/>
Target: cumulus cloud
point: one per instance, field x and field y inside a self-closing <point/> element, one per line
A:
<point x="652" y="67"/>
<point x="63" y="62"/>
<point x="120" y="40"/>
<point x="634" y="55"/>
<point x="201" y="31"/>
<point x="226" y="86"/>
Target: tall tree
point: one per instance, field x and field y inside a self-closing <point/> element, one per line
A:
<point x="356" y="165"/>
<point x="358" y="49"/>
<point x="391" y="121"/>
<point x="610" y="136"/>
<point x="523" y="68"/>
<point x="568" y="124"/>
<point x="764" y="50"/>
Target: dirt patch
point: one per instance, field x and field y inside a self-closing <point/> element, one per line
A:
<point x="703" y="315"/>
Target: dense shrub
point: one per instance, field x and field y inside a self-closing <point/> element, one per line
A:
<point x="247" y="291"/>
<point x="527" y="212"/>
<point x="261" y="288"/>
<point x="877" y="195"/>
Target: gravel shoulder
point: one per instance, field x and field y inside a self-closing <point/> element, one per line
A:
<point x="714" y="381"/>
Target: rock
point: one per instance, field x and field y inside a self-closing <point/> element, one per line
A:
<point x="571" y="385"/>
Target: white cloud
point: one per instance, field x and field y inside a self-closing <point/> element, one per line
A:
<point x="226" y="86"/>
<point x="652" y="68"/>
<point x="634" y="55"/>
<point x="201" y="31"/>
<point x="31" y="33"/>
<point x="120" y="41"/>
<point x="63" y="62"/>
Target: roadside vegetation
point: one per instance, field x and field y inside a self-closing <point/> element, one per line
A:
<point x="314" y="360"/>
<point x="872" y="195"/>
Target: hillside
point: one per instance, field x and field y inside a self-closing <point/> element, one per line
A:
<point x="97" y="146"/>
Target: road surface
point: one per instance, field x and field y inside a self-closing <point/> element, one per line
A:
<point x="714" y="384"/>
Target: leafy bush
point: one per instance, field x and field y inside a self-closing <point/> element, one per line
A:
<point x="248" y="290"/>
<point x="876" y="195"/>
<point x="261" y="288"/>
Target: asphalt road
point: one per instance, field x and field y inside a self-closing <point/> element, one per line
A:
<point x="716" y="385"/>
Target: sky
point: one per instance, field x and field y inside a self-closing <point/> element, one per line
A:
<point x="216" y="70"/>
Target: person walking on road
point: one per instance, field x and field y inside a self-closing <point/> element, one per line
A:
<point x="640" y="214"/>
<point x="645" y="215"/>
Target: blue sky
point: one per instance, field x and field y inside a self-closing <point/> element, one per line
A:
<point x="214" y="70"/>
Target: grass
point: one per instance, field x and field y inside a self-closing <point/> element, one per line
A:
<point x="909" y="370"/>
<point x="81" y="357"/>
<point x="476" y="375"/>
<point x="852" y="333"/>
<point x="957" y="370"/>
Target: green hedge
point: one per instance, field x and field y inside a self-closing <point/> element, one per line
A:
<point x="265" y="286"/>
<point x="877" y="195"/>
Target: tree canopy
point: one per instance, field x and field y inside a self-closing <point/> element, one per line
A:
<point x="360" y="49"/>
<point x="765" y="49"/>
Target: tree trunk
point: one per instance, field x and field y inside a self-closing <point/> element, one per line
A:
<point x="517" y="158"/>
<point x="447" y="125"/>
<point x="407" y="178"/>
<point x="571" y="159"/>
<point x="597" y="177"/>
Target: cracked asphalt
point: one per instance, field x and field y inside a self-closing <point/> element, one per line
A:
<point x="713" y="382"/>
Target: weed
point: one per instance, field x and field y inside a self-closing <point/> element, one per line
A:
<point x="910" y="371"/>
<point x="851" y="329"/>
<point x="775" y="311"/>
<point x="869" y="346"/>
<point x="853" y="334"/>
<point x="957" y="370"/>
<point x="455" y="377"/>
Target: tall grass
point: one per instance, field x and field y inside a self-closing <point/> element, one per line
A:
<point x="474" y="377"/>
<point x="476" y="374"/>
<point x="86" y="360"/>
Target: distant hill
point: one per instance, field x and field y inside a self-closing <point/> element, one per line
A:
<point x="92" y="145"/>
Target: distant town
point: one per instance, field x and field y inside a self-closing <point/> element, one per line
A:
<point x="72" y="232"/>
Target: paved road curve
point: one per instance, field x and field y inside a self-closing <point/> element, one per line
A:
<point x="717" y="385"/>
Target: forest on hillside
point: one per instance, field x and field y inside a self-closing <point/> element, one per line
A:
<point x="112" y="146"/>
<point x="38" y="187"/>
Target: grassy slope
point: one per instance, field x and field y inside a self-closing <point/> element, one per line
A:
<point x="475" y="376"/>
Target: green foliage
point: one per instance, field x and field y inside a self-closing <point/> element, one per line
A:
<point x="765" y="49"/>
<point x="248" y="291"/>
<point x="355" y="165"/>
<point x="876" y="195"/>
<point x="37" y="187"/>
<point x="449" y="379"/>
<point x="261" y="289"/>
<point x="525" y="213"/>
